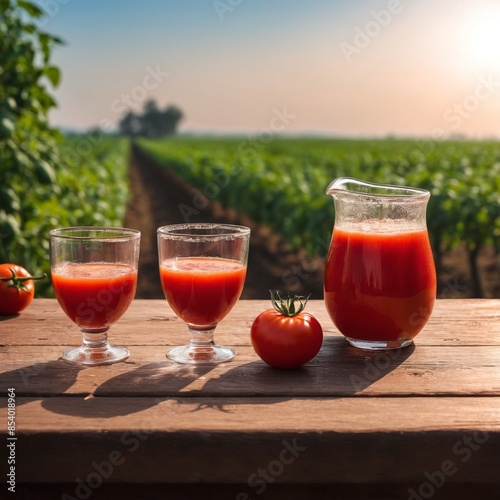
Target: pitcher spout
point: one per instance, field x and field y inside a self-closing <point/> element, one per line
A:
<point x="346" y="185"/>
<point x="338" y="185"/>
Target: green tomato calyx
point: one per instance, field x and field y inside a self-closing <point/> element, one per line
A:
<point x="18" y="282"/>
<point x="290" y="306"/>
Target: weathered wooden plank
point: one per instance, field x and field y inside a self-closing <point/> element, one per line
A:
<point x="151" y="322"/>
<point x="257" y="414"/>
<point x="360" y="440"/>
<point x="338" y="370"/>
<point x="178" y="419"/>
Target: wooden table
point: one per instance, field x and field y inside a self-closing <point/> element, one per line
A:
<point x="414" y="423"/>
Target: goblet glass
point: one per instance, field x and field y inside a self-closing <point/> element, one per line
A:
<point x="202" y="270"/>
<point x="94" y="275"/>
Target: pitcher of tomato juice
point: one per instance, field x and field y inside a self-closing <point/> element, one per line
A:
<point x="380" y="279"/>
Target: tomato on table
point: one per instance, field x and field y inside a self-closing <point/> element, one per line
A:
<point x="286" y="337"/>
<point x="17" y="288"/>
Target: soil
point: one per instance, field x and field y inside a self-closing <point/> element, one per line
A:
<point x="159" y="197"/>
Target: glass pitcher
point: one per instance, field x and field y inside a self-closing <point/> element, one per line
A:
<point x="380" y="279"/>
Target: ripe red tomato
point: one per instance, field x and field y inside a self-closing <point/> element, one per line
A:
<point x="286" y="337"/>
<point x="17" y="288"/>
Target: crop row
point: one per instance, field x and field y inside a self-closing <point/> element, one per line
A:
<point x="282" y="183"/>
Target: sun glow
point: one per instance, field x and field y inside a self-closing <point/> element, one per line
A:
<point x="482" y="37"/>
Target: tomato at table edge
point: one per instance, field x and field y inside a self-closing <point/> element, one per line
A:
<point x="299" y="343"/>
<point x="19" y="288"/>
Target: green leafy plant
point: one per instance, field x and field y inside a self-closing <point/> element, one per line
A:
<point x="281" y="184"/>
<point x="28" y="145"/>
<point x="45" y="181"/>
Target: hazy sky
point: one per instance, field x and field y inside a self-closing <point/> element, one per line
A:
<point x="358" y="67"/>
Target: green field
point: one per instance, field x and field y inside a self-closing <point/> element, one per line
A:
<point x="282" y="183"/>
<point x="87" y="186"/>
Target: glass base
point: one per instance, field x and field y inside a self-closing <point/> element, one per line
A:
<point x="211" y="355"/>
<point x="379" y="345"/>
<point x="93" y="356"/>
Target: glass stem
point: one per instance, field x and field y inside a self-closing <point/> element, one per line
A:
<point x="95" y="339"/>
<point x="201" y="339"/>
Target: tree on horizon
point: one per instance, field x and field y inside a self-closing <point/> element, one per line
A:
<point x="153" y="122"/>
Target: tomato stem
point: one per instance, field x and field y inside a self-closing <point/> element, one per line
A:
<point x="18" y="281"/>
<point x="287" y="306"/>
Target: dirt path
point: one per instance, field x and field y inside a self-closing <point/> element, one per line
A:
<point x="157" y="198"/>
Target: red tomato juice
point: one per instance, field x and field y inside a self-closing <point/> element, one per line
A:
<point x="94" y="295"/>
<point x="380" y="286"/>
<point x="202" y="290"/>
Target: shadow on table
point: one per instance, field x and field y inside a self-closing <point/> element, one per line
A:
<point x="351" y="370"/>
<point x="9" y="316"/>
<point x="156" y="380"/>
<point x="339" y="370"/>
<point x="39" y="380"/>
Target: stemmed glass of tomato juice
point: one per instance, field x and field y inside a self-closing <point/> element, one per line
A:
<point x="202" y="270"/>
<point x="94" y="275"/>
<point x="380" y="279"/>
